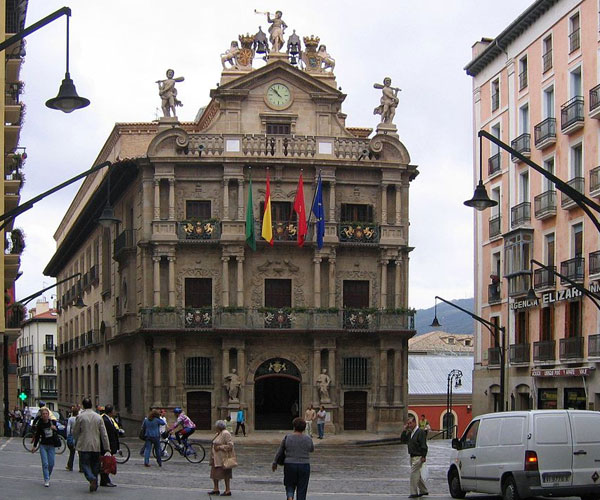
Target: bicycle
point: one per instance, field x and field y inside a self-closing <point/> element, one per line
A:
<point x="193" y="452"/>
<point x="28" y="443"/>
<point x="123" y="453"/>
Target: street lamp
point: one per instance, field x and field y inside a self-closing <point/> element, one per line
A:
<point x="498" y="332"/>
<point x="480" y="200"/>
<point x="454" y="380"/>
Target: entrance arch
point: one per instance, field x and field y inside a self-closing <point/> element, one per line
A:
<point x="277" y="396"/>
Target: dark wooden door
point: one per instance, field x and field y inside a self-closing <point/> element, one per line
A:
<point x="198" y="409"/>
<point x="355" y="411"/>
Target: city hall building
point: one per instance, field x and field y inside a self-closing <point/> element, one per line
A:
<point x="179" y="310"/>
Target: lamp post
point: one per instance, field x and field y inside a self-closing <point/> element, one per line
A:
<point x="498" y="332"/>
<point x="456" y="377"/>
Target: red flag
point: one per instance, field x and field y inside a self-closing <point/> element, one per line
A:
<point x="300" y="210"/>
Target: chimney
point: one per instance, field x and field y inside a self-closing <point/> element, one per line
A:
<point x="479" y="47"/>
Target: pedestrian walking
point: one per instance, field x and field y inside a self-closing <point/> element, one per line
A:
<point x="71" y="439"/>
<point x="240" y="422"/>
<point x="221" y="449"/>
<point x="90" y="435"/>
<point x="112" y="430"/>
<point x="321" y="417"/>
<point x="152" y="424"/>
<point x="47" y="437"/>
<point x="416" y="439"/>
<point x="294" y="453"/>
<point x="309" y="415"/>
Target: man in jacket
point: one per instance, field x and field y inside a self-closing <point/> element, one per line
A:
<point x="112" y="430"/>
<point x="90" y="433"/>
<point x="416" y="439"/>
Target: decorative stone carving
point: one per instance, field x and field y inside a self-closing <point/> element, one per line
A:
<point x="245" y="55"/>
<point x="198" y="272"/>
<point x="278" y="267"/>
<point x="323" y="381"/>
<point x="168" y="94"/>
<point x="327" y="62"/>
<point x="342" y="275"/>
<point x="389" y="100"/>
<point x="230" y="54"/>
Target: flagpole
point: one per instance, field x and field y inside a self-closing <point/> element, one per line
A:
<point x="313" y="200"/>
<point x="292" y="210"/>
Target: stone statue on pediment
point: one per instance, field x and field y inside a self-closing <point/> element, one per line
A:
<point x="230" y="54"/>
<point x="388" y="102"/>
<point x="168" y="94"/>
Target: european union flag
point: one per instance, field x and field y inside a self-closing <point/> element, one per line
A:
<point x="319" y="212"/>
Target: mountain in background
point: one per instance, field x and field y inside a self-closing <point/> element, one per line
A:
<point x="452" y="320"/>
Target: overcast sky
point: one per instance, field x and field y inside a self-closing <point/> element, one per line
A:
<point x="119" y="48"/>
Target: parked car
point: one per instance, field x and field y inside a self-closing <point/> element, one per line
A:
<point x="523" y="454"/>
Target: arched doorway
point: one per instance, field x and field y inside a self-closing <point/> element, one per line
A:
<point x="276" y="394"/>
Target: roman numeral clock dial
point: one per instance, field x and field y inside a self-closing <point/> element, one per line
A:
<point x="278" y="96"/>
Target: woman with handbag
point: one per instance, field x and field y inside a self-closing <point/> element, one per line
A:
<point x="48" y="440"/>
<point x="222" y="459"/>
<point x="293" y="454"/>
<point x="70" y="438"/>
<point x="151" y="428"/>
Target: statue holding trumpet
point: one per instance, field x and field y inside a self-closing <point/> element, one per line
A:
<point x="168" y="93"/>
<point x="276" y="29"/>
<point x="389" y="100"/>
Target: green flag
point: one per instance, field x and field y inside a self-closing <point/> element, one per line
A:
<point x="250" y="235"/>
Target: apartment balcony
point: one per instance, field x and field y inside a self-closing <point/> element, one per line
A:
<point x="13" y="113"/>
<point x="493" y="356"/>
<point x="574" y="269"/>
<point x="199" y="317"/>
<point x="547" y="61"/>
<point x="577" y="183"/>
<point x="572" y="115"/>
<point x="519" y="354"/>
<point x="495" y="224"/>
<point x="12" y="133"/>
<point x="544" y="350"/>
<point x="571" y="348"/>
<point x="199" y="230"/>
<point x="494" y="293"/>
<point x="522" y="80"/>
<point x="49" y="347"/>
<point x="358" y="232"/>
<point x="544" y="133"/>
<point x="93" y="274"/>
<point x="543" y="279"/>
<point x="49" y="369"/>
<point x="124" y="244"/>
<point x="595" y="102"/>
<point x="595" y="182"/>
<point x="494" y="164"/>
<point x="520" y="214"/>
<point x="545" y="205"/>
<point x="593" y="346"/>
<point x="574" y="40"/>
<point x="49" y="393"/>
<point x="594" y="263"/>
<point x="12" y="265"/>
<point x="521" y="144"/>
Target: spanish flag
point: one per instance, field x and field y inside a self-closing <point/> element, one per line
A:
<point x="267" y="225"/>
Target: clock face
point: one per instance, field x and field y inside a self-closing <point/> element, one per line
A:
<point x="278" y="95"/>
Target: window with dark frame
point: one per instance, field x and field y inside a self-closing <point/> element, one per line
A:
<point x="495" y="94"/>
<point x="356" y="294"/>
<point x="573" y="319"/>
<point x="354" y="212"/>
<point x="281" y="211"/>
<point x="356" y="372"/>
<point x="521" y="323"/>
<point x="198" y="371"/>
<point x="128" y="386"/>
<point x="495" y="337"/>
<point x="197" y="209"/>
<point x="278" y="293"/>
<point x="546" y="323"/>
<point x="278" y="129"/>
<point x="198" y="292"/>
<point x="115" y="384"/>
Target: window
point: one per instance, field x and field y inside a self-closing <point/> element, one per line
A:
<point x="517" y="252"/>
<point x="356" y="372"/>
<point x="496" y="267"/>
<point x="281" y="211"/>
<point x="106" y="261"/>
<point x="548" y="103"/>
<point x="198" y="371"/>
<point x="521" y="323"/>
<point x="355" y="294"/>
<point x="524" y="119"/>
<point x="128" y="386"/>
<point x="573" y="319"/>
<point x="198" y="292"/>
<point x="549" y="167"/>
<point x="278" y="129"/>
<point x="49" y="361"/>
<point x="524" y="187"/>
<point x="469" y="439"/>
<point x="115" y="384"/>
<point x="495" y="94"/>
<point x="50" y="342"/>
<point x="195" y="209"/>
<point x="576" y="161"/>
<point x="547" y="53"/>
<point x="575" y="82"/>
<point x="574" y="33"/>
<point x="523" y="73"/>
<point x="278" y="293"/>
<point x="356" y="213"/>
<point x="496" y="197"/>
<point x="547" y="323"/>
<point x="577" y="240"/>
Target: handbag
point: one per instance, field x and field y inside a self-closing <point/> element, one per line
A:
<point x="57" y="442"/>
<point x="230" y="460"/>
<point x="280" y="458"/>
<point x="108" y="464"/>
<point x="142" y="434"/>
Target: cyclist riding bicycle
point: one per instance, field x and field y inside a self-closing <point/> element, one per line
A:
<point x="187" y="427"/>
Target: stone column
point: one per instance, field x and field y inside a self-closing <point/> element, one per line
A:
<point x="225" y="353"/>
<point x="317" y="279"/>
<point x="383" y="294"/>
<point x="397" y="377"/>
<point x="316" y="372"/>
<point x="331" y="371"/>
<point x="398" y="284"/>
<point x="156" y="261"/>
<point x="241" y="361"/>
<point x="240" y="281"/>
<point x="156" y="199"/>
<point x="398" y="205"/>
<point x="225" y="281"/>
<point x="240" y="211"/>
<point x="382" y="376"/>
<point x="171" y="199"/>
<point x="331" y="282"/>
<point x="172" y="377"/>
<point x="384" y="203"/>
<point x="171" y="281"/>
<point x="157" y="374"/>
<point x="332" y="202"/>
<point x="226" y="199"/>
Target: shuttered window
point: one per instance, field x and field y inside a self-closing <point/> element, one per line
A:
<point x="198" y="371"/>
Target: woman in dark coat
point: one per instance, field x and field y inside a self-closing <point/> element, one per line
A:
<point x="112" y="429"/>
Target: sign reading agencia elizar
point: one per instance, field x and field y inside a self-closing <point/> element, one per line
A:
<point x="555" y="296"/>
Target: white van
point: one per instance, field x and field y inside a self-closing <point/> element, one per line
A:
<point x="523" y="454"/>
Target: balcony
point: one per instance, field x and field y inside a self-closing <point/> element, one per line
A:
<point x="494" y="164"/>
<point x="572" y="269"/>
<point x="358" y="232"/>
<point x="544" y="350"/>
<point x="124" y="244"/>
<point x="522" y="80"/>
<point x="520" y="214"/>
<point x="571" y="348"/>
<point x="521" y="144"/>
<point x="209" y="230"/>
<point x="495" y="226"/>
<point x="94" y="277"/>
<point x="519" y="353"/>
<point x="199" y="317"/>
<point x="49" y="347"/>
<point x="544" y="133"/>
<point x="493" y="356"/>
<point x="594" y="346"/>
<point x="494" y="293"/>
<point x="545" y="205"/>
<point x="595" y="102"/>
<point x="577" y="183"/>
<point x="547" y="60"/>
<point x="572" y="115"/>
<point x="542" y="279"/>
<point x="574" y="40"/>
<point x="49" y="369"/>
<point x="594" y="263"/>
<point x="595" y="182"/>
<point x="48" y="393"/>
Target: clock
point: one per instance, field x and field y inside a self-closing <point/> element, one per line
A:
<point x="278" y="96"/>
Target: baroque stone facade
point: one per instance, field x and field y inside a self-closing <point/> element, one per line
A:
<point x="175" y="298"/>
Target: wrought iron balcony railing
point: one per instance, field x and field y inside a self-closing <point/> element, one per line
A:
<point x="520" y="214"/>
<point x="358" y="232"/>
<point x="519" y="353"/>
<point x="49" y="369"/>
<point x="544" y="133"/>
<point x="522" y="144"/>
<point x="574" y="40"/>
<point x="595" y="181"/>
<point x="49" y="347"/>
<point x="572" y="114"/>
<point x="577" y="183"/>
<point x="594" y="98"/>
<point x="495" y="225"/>
<point x="494" y="356"/>
<point x="547" y="60"/>
<point x="495" y="101"/>
<point x="494" y="293"/>
<point x="494" y="164"/>
<point x="199" y="230"/>
<point x="545" y="204"/>
<point x="594" y="263"/>
<point x="542" y="278"/>
<point x="544" y="350"/>
<point x="574" y="269"/>
<point x="522" y="80"/>
<point x="124" y="242"/>
<point x="571" y="348"/>
<point x="594" y="345"/>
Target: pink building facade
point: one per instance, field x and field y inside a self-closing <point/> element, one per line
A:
<point x="535" y="87"/>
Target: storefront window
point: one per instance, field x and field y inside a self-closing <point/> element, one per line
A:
<point x="547" y="399"/>
<point x="575" y="399"/>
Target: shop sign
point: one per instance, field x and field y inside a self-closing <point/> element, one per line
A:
<point x="562" y="372"/>
<point x="548" y="298"/>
